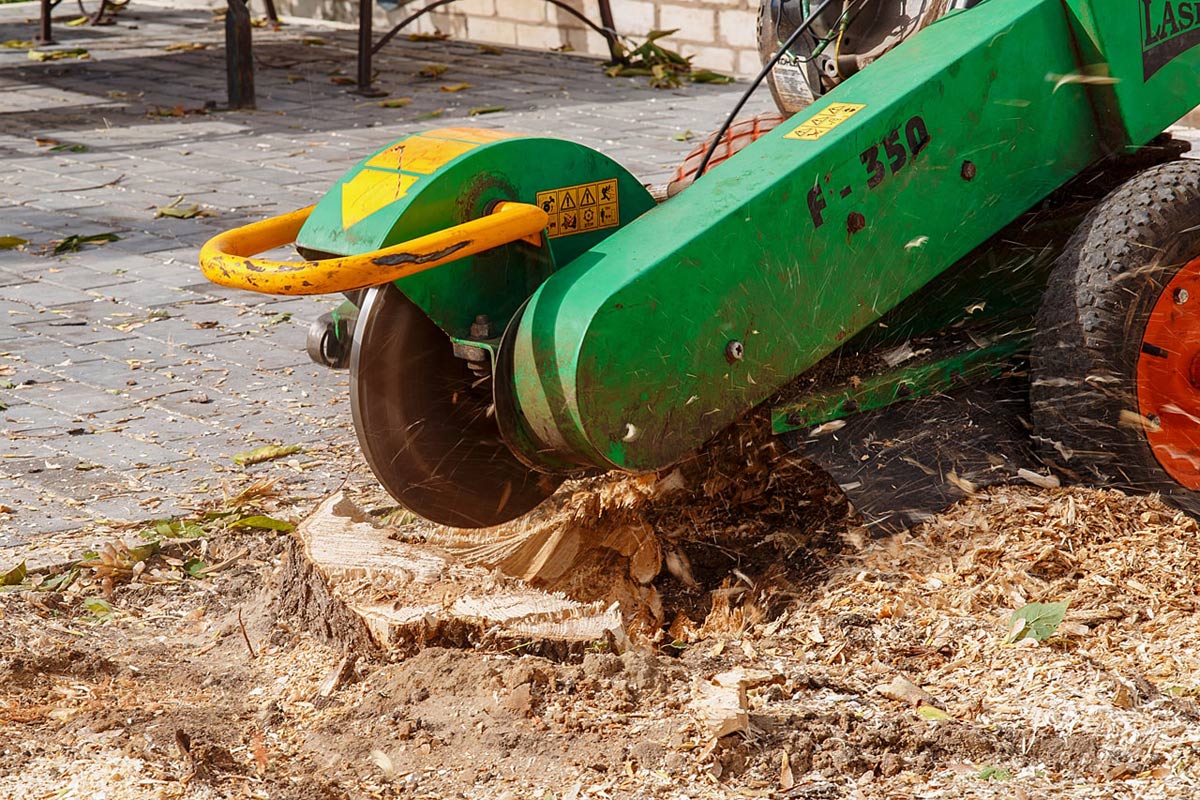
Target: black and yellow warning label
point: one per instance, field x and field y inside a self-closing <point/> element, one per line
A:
<point x="824" y="121"/>
<point x="582" y="208"/>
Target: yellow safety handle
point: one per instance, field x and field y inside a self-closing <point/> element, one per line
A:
<point x="227" y="259"/>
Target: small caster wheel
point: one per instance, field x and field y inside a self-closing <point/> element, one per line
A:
<point x="329" y="341"/>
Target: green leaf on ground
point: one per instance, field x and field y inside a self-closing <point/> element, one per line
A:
<point x="177" y="529"/>
<point x="926" y="711"/>
<point x="195" y="567"/>
<point x="1037" y="621"/>
<point x="686" y="136"/>
<point x="98" y="607"/>
<point x="437" y="112"/>
<point x="665" y="68"/>
<point x="708" y="76"/>
<point x="475" y="112"/>
<point x="174" y="210"/>
<point x="395" y="102"/>
<point x="432" y="70"/>
<point x="990" y="773"/>
<point x="56" y="55"/>
<point x="73" y="243"/>
<point x="12" y="242"/>
<point x="261" y="522"/>
<point x="59" y="582"/>
<point x="13" y="576"/>
<point x="267" y="452"/>
<point x="74" y="148"/>
<point x="143" y="551"/>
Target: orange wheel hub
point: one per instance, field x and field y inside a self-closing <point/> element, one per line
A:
<point x="1168" y="377"/>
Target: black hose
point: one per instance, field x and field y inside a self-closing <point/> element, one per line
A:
<point x="766" y="70"/>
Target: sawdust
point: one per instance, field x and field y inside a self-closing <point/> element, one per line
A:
<point x="165" y="698"/>
<point x="741" y="513"/>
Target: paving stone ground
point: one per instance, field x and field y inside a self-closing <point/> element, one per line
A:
<point x="128" y="380"/>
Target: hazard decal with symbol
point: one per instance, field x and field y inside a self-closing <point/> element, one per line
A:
<point x="581" y="208"/>
<point x="824" y="121"/>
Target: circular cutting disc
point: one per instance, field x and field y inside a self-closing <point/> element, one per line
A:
<point x="423" y="422"/>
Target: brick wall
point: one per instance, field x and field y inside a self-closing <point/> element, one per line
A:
<point x="720" y="34"/>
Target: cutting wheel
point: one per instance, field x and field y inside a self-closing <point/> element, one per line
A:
<point x="424" y="423"/>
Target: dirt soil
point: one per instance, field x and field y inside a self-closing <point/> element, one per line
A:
<point x="865" y="668"/>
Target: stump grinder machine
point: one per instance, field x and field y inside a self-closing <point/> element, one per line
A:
<point x="969" y="234"/>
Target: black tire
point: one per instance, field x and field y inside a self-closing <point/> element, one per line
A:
<point x="794" y="83"/>
<point x="1089" y="334"/>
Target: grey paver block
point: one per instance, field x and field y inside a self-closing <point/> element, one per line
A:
<point x="73" y="399"/>
<point x="35" y="417"/>
<point x="117" y="451"/>
<point x="43" y="294"/>
<point x="39" y="350"/>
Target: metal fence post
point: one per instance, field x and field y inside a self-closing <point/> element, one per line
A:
<point x="239" y="56"/>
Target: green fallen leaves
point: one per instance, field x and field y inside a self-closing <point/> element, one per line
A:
<point x="394" y="102"/>
<point x="59" y="582"/>
<point x="990" y="773"/>
<point x="12" y="242"/>
<point x="170" y="550"/>
<point x="475" y="112"/>
<point x="177" y="529"/>
<point x="708" y="76"/>
<point x="665" y="68"/>
<point x="56" y="55"/>
<point x="265" y="453"/>
<point x="98" y="607"/>
<point x="74" y="148"/>
<point x="13" y="576"/>
<point x="143" y="551"/>
<point x="432" y="70"/>
<point x="926" y="711"/>
<point x="1036" y="621"/>
<point x="261" y="522"/>
<point x="174" y="210"/>
<point x="72" y="243"/>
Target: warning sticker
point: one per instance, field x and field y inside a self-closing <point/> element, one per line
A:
<point x="581" y="208"/>
<point x="824" y="121"/>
